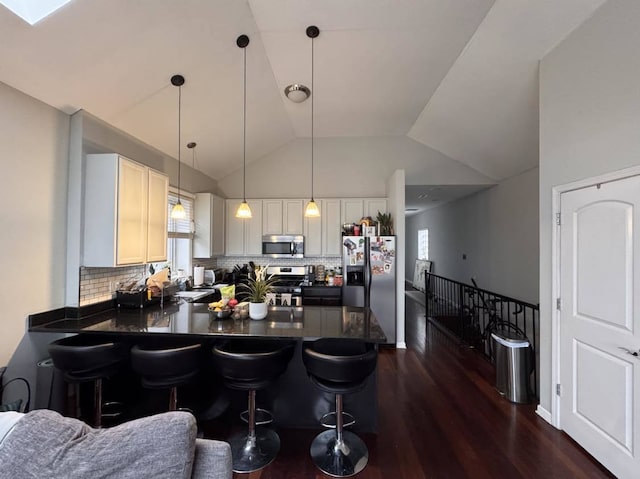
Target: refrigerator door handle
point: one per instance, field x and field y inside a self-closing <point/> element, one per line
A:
<point x="367" y="272"/>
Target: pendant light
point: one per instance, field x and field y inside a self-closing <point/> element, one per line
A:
<point x="178" y="212"/>
<point x="312" y="210"/>
<point x="244" y="212"/>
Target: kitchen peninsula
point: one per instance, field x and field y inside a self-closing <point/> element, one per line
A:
<point x="296" y="402"/>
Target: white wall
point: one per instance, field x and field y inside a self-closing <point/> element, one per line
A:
<point x="34" y="140"/>
<point x="346" y="167"/>
<point x="497" y="230"/>
<point x="589" y="125"/>
<point x="395" y="193"/>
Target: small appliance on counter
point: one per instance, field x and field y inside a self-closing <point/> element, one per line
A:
<point x="198" y="275"/>
<point x="311" y="273"/>
<point x="143" y="296"/>
<point x="210" y="277"/>
<point x="138" y="294"/>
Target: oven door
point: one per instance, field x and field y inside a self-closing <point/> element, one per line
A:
<point x="283" y="246"/>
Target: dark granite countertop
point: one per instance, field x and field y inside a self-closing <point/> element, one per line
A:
<point x="304" y="322"/>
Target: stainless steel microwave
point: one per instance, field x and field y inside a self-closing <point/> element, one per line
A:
<point x="278" y="246"/>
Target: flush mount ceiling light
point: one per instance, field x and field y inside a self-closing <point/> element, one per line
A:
<point x="32" y="11"/>
<point x="297" y="93"/>
<point x="312" y="210"/>
<point x="178" y="212"/>
<point x="243" y="211"/>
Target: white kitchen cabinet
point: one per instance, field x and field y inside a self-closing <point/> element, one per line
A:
<point x="372" y="206"/>
<point x="313" y="233"/>
<point x="292" y="216"/>
<point x="158" y="218"/>
<point x="125" y="212"/>
<point x="323" y="236"/>
<point x="354" y="209"/>
<point x="271" y="217"/>
<point x="331" y="227"/>
<point x="282" y="217"/>
<point x="209" y="221"/>
<point x="243" y="237"/>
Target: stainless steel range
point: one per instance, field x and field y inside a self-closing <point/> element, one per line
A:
<point x="287" y="289"/>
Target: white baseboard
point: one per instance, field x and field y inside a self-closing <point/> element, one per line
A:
<point x="544" y="414"/>
<point x="401" y="345"/>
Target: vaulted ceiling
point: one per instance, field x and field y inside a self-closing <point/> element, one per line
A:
<point x="459" y="76"/>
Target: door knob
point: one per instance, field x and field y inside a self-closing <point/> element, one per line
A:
<point x="628" y="351"/>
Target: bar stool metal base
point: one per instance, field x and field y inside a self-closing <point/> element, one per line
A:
<point x="330" y="421"/>
<point x="263" y="416"/>
<point x="253" y="453"/>
<point x="339" y="459"/>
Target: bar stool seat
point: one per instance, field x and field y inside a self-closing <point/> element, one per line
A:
<point x="88" y="358"/>
<point x="249" y="365"/>
<point x="166" y="365"/>
<point x="339" y="366"/>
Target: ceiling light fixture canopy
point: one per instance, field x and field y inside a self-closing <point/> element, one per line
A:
<point x="192" y="146"/>
<point x="297" y="92"/>
<point x="312" y="210"/>
<point x="178" y="212"/>
<point x="243" y="211"/>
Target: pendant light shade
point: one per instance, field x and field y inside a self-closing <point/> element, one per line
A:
<point x="244" y="212"/>
<point x="178" y="212"/>
<point x="312" y="210"/>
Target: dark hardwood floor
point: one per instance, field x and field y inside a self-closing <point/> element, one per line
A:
<point x="440" y="417"/>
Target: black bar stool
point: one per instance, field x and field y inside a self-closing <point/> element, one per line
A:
<point x="339" y="366"/>
<point x="88" y="358"/>
<point x="166" y="365"/>
<point x="249" y="365"/>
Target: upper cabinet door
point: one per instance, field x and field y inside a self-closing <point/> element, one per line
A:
<point x="352" y="210"/>
<point x="253" y="229"/>
<point x="292" y="216"/>
<point x="244" y="237"/>
<point x="331" y="228"/>
<point x="272" y="217"/>
<point x="313" y="233"/>
<point x="125" y="212"/>
<point x="132" y="213"/>
<point x="158" y="217"/>
<point x="234" y="230"/>
<point x="209" y="220"/>
<point x="373" y="206"/>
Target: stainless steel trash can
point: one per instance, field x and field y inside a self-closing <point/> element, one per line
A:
<point x="512" y="356"/>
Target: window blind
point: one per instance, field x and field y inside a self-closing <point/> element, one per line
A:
<point x="181" y="228"/>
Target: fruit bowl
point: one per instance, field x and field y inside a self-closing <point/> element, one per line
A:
<point x="222" y="314"/>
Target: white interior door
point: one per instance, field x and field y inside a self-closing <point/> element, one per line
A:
<point x="600" y="260"/>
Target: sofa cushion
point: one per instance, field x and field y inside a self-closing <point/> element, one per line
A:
<point x="44" y="444"/>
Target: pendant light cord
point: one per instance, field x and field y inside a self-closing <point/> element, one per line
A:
<point x="244" y="129"/>
<point x="179" y="123"/>
<point x="313" y="93"/>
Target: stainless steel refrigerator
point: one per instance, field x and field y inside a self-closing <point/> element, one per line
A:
<point x="369" y="277"/>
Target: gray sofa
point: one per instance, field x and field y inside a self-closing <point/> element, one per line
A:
<point x="44" y="444"/>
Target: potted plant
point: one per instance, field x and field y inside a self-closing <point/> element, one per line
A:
<point x="386" y="223"/>
<point x="257" y="287"/>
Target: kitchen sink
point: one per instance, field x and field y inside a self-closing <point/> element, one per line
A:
<point x="194" y="296"/>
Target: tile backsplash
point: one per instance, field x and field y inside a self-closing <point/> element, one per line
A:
<point x="99" y="284"/>
<point x="228" y="262"/>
